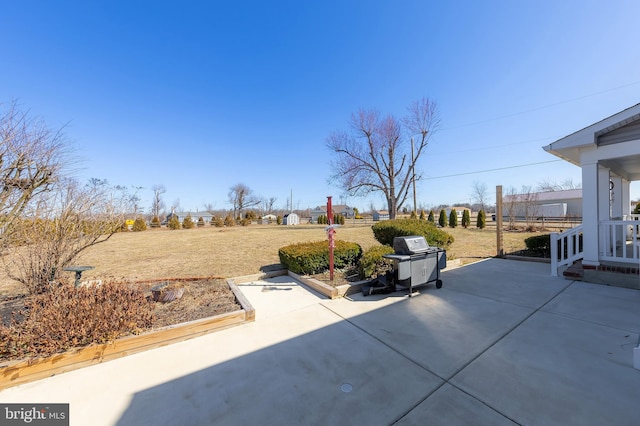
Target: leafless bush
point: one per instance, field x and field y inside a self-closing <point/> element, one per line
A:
<point x="68" y="317"/>
<point x="58" y="227"/>
<point x="31" y="158"/>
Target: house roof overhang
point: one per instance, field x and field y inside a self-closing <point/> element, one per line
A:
<point x="618" y="130"/>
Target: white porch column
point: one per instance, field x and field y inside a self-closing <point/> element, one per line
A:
<point x="625" y="197"/>
<point x="592" y="210"/>
<point x="617" y="198"/>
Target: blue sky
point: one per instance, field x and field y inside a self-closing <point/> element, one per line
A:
<point x="201" y="95"/>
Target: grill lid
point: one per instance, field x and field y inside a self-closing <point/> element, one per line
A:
<point x="413" y="244"/>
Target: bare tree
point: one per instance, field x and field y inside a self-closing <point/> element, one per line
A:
<point x="530" y="208"/>
<point x="175" y="206"/>
<point x="58" y="226"/>
<point x="510" y="202"/>
<point x="241" y="197"/>
<point x="157" y="204"/>
<point x="268" y="204"/>
<point x="31" y="159"/>
<point x="479" y="192"/>
<point x="548" y="185"/>
<point x="374" y="155"/>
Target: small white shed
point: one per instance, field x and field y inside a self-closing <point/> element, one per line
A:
<point x="291" y="219"/>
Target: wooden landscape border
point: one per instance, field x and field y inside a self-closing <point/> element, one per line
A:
<point x="13" y="373"/>
<point x="332" y="292"/>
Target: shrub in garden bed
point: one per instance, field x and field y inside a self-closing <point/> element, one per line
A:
<point x="540" y="244"/>
<point x="386" y="230"/>
<point x="313" y="257"/>
<point x="68" y="317"/>
<point x="372" y="263"/>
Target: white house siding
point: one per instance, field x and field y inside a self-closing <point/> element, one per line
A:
<point x="571" y="197"/>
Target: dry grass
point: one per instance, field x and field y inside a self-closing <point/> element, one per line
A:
<point x="235" y="251"/>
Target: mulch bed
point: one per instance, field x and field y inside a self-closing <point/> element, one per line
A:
<point x="340" y="277"/>
<point x="201" y="299"/>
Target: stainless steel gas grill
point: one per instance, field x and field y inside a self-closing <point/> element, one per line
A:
<point x="415" y="263"/>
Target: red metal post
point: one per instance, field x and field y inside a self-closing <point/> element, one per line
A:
<point x="330" y="233"/>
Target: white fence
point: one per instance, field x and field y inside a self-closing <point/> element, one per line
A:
<point x="566" y="248"/>
<point x="619" y="240"/>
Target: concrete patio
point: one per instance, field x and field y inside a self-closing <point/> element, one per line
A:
<point x="501" y="343"/>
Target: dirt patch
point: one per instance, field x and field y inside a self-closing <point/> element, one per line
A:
<point x="201" y="299"/>
<point x="340" y="277"/>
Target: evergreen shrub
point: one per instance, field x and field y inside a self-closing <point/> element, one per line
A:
<point x="540" y="244"/>
<point x="229" y="220"/>
<point x="385" y="232"/>
<point x="453" y="218"/>
<point x="372" y="263"/>
<point x="200" y="221"/>
<point x="188" y="223"/>
<point x="155" y="222"/>
<point x="174" y="223"/>
<point x="431" y="217"/>
<point x="139" y="225"/>
<point x="442" y="219"/>
<point x="313" y="257"/>
<point x="466" y="218"/>
<point x="481" y="222"/>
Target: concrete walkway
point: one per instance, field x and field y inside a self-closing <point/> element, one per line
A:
<point x="501" y="343"/>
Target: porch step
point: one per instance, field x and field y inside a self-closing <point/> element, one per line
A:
<point x="609" y="275"/>
<point x="574" y="272"/>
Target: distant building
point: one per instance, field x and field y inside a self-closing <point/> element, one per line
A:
<point x="269" y="218"/>
<point x="341" y="209"/>
<point x="291" y="219"/>
<point x="459" y="212"/>
<point x="566" y="203"/>
<point x="380" y="215"/>
<point x="206" y="216"/>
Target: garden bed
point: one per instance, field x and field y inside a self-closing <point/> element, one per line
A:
<point x="197" y="313"/>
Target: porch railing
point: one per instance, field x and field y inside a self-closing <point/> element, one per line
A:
<point x="566" y="248"/>
<point x="619" y="240"/>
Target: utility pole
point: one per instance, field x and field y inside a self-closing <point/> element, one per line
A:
<point x="413" y="178"/>
<point x="330" y="233"/>
<point x="499" y="242"/>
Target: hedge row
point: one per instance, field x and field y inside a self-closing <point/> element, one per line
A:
<point x="313" y="257"/>
<point x="386" y="230"/>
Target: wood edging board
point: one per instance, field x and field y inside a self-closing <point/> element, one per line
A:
<point x="317" y="285"/>
<point x="326" y="289"/>
<point x="13" y="373"/>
